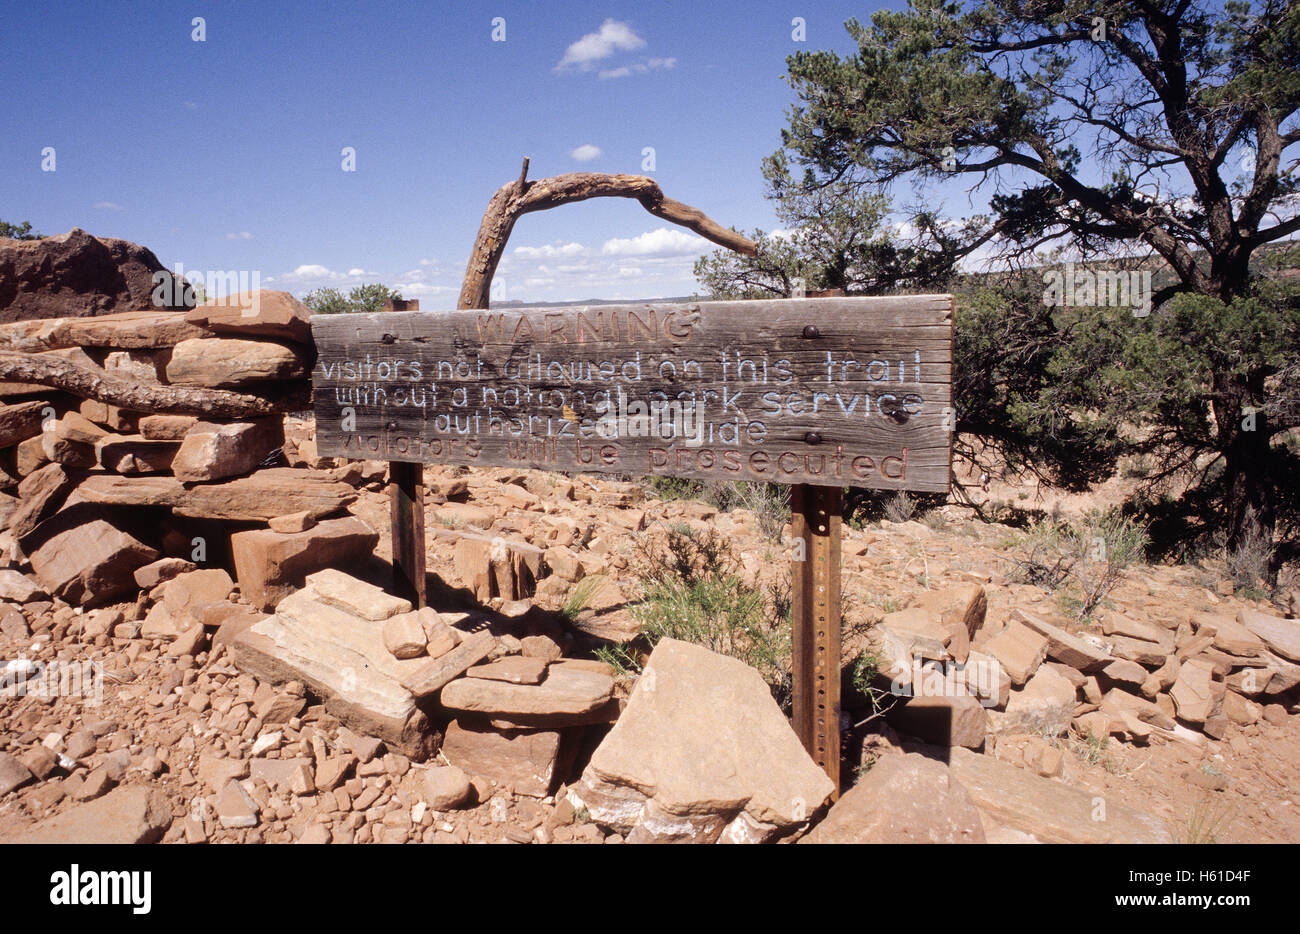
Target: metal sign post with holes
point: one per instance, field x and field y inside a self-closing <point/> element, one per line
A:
<point x="820" y="394"/>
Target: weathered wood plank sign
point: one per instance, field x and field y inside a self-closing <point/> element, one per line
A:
<point x="831" y="391"/>
<point x="818" y="393"/>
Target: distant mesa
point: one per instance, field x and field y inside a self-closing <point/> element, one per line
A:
<point x="75" y="275"/>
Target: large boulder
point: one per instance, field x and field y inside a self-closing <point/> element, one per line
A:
<point x="903" y="799"/>
<point x="701" y="754"/>
<point x="75" y="274"/>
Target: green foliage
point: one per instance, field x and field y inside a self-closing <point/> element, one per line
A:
<point x="834" y="236"/>
<point x="580" y="595"/>
<point x="21" y="231"/>
<point x="1090" y="555"/>
<point x="690" y="591"/>
<point x="1098" y="147"/>
<point x="362" y="298"/>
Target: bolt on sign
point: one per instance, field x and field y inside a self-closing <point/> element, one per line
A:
<point x="829" y="391"/>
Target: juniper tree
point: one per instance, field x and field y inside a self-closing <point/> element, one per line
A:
<point x="1104" y="128"/>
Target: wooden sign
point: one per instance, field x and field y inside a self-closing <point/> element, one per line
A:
<point x="830" y="391"/>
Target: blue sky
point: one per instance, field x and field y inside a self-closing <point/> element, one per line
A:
<point x="225" y="154"/>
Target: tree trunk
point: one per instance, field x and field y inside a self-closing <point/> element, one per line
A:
<point x="134" y="397"/>
<point x="1249" y="502"/>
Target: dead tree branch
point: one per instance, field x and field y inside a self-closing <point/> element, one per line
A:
<point x="523" y="197"/>
<point x="111" y="390"/>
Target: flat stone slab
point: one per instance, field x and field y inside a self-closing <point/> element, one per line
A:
<point x="1281" y="635"/>
<point x="515" y="669"/>
<point x="1048" y="809"/>
<point x="122" y="330"/>
<point x="129" y="814"/>
<point x="259" y="497"/>
<point x="341" y="658"/>
<point x="563" y="692"/>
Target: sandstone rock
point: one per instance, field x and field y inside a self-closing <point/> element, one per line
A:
<point x="943" y="721"/>
<point x="472" y="559"/>
<point x="964" y="605"/>
<point x="441" y="637"/>
<point x="160" y="571"/>
<point x="404" y="635"/>
<point x="1124" y="672"/>
<point x="258" y="497"/>
<point x="18" y="588"/>
<point x="525" y="760"/>
<point x="214" y="451"/>
<point x="21" y="421"/>
<point x="565" y="692"/>
<point x="235" y="807"/>
<point x="1150" y="654"/>
<point x="1048" y="810"/>
<point x="86" y="560"/>
<point x="13" y="774"/>
<point x="446" y="787"/>
<point x="564" y="563"/>
<point x="1281" y="635"/>
<point x="143" y="365"/>
<point x="903" y="799"/>
<point x="295" y="522"/>
<point x="433" y="674"/>
<point x="1063" y="646"/>
<point x="74" y="274"/>
<point x="1019" y="649"/>
<point x="335" y="588"/>
<point x="229" y="363"/>
<point x="701" y="753"/>
<point x="188" y="594"/>
<point x="29" y="456"/>
<point x="515" y="669"/>
<point x="134" y="454"/>
<point x="1046" y="705"/>
<point x="263" y="313"/>
<point x="459" y="515"/>
<point x="1230" y="636"/>
<point x="342" y="659"/>
<point x="272" y="565"/>
<point x="130" y="814"/>
<point x="190" y="642"/>
<point x="41" y="494"/>
<point x="167" y="427"/>
<point x="1194" y="692"/>
<point x="1117" y="624"/>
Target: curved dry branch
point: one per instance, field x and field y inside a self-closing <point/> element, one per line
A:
<point x="523" y="197"/>
<point x="89" y="384"/>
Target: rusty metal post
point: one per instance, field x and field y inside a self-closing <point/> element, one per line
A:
<point x="406" y="486"/>
<point x="815" y="608"/>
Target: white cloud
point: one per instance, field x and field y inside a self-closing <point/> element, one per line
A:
<point x="356" y="272"/>
<point x="612" y="37"/>
<point x="638" y="68"/>
<point x="190" y="105"/>
<point x="242" y="235"/>
<point x="550" y="250"/>
<point x="109" y="205"/>
<point x="586" y="152"/>
<point x="662" y="242"/>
